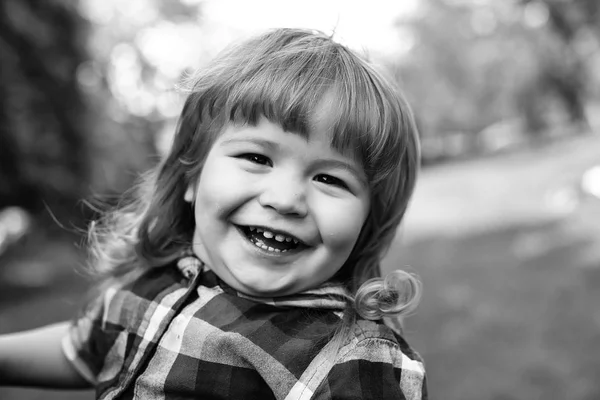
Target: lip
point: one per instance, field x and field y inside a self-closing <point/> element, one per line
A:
<point x="288" y="254"/>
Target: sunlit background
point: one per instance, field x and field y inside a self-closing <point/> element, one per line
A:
<point x="504" y="228"/>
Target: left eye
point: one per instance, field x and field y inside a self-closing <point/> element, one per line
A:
<point x="256" y="158"/>
<point x="331" y="180"/>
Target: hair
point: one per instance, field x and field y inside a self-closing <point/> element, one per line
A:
<point x="283" y="75"/>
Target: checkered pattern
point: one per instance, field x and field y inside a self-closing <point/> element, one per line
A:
<point x="181" y="333"/>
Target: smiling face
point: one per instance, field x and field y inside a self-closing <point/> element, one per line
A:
<point x="276" y="213"/>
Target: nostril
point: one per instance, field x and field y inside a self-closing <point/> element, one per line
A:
<point x="285" y="204"/>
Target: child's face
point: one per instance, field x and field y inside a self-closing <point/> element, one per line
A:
<point x="277" y="214"/>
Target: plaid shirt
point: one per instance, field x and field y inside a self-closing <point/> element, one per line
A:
<point x="182" y="333"/>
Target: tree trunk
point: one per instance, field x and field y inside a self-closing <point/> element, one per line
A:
<point x="43" y="144"/>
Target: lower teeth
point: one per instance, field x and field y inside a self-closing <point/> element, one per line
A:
<point x="268" y="248"/>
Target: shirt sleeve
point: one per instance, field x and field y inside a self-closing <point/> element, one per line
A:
<point x="376" y="369"/>
<point x="88" y="340"/>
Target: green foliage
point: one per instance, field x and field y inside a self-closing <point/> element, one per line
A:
<point x="43" y="147"/>
<point x="475" y="64"/>
<point x="81" y="98"/>
<point x="129" y="79"/>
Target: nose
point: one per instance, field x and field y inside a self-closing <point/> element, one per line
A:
<point x="284" y="194"/>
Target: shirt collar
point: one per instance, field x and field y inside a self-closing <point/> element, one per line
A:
<point x="328" y="296"/>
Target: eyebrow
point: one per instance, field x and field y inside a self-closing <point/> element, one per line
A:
<point x="321" y="162"/>
<point x="262" y="142"/>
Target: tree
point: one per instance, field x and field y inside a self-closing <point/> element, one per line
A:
<point x="482" y="63"/>
<point x="43" y="145"/>
<point x="466" y="68"/>
<point x="576" y="25"/>
<point x="80" y="97"/>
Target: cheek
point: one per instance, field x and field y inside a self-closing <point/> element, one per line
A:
<point x="219" y="188"/>
<point x="340" y="223"/>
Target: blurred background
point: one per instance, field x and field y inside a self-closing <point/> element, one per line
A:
<point x="504" y="227"/>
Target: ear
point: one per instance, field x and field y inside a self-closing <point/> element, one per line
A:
<point x="190" y="193"/>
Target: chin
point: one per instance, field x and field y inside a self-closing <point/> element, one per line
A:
<point x="265" y="291"/>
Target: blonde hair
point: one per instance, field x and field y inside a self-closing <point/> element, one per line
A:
<point x="282" y="75"/>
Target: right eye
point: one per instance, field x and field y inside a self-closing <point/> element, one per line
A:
<point x="256" y="159"/>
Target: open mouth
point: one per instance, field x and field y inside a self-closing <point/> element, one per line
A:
<point x="270" y="240"/>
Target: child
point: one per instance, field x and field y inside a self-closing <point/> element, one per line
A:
<point x="247" y="265"/>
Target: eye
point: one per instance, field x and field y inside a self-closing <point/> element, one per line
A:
<point x="256" y="159"/>
<point x="331" y="180"/>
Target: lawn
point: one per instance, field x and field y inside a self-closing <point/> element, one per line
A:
<point x="509" y="254"/>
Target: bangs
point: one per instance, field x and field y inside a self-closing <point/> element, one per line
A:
<point x="303" y="85"/>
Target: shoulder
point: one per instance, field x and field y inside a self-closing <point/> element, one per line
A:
<point x="376" y="342"/>
<point x="125" y="302"/>
<point x="102" y="336"/>
<point x="378" y="335"/>
<point x="376" y="362"/>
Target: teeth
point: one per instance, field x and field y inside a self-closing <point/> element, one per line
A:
<point x="270" y="235"/>
<point x="268" y="248"/>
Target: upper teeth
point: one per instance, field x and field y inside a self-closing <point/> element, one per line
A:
<point x="278" y="236"/>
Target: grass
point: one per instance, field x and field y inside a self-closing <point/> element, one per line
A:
<point x="511" y="276"/>
<point x="495" y="325"/>
<point x="509" y="254"/>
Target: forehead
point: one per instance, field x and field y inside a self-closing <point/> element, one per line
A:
<point x="322" y="128"/>
<point x="321" y="117"/>
<point x="272" y="134"/>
